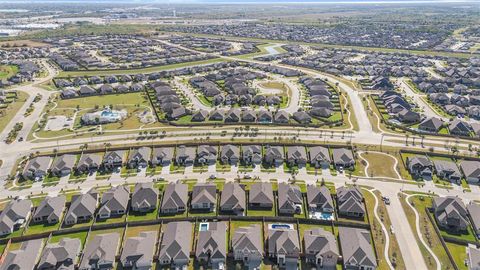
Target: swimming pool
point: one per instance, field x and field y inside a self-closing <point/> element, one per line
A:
<point x="203" y="227"/>
<point x="322" y="215"/>
<point x="281" y="226"/>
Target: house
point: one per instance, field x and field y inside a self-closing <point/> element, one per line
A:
<point x="114" y="202"/>
<point x="113" y="159"/>
<point x="217" y="115"/>
<point x="230" y="154"/>
<point x="302" y="117"/>
<point x="137" y="252"/>
<point x="23" y="258"/>
<point x="175" y="199"/>
<point x="431" y="124"/>
<point x="144" y="198"/>
<point x="473" y="212"/>
<point x="458" y="127"/>
<point x="100" y="252"/>
<point x="176" y="244"/>
<point x="471" y="170"/>
<point x="14" y="215"/>
<point x="408" y="116"/>
<point x="448" y="170"/>
<point x="420" y="167"/>
<point x="473" y="257"/>
<point x="265" y="116"/>
<point x="281" y="117"/>
<point x="283" y="246"/>
<point x="319" y="199"/>
<point x="252" y="154"/>
<point x="320" y="157"/>
<point x="185" y="155"/>
<point x="357" y="250"/>
<point x="260" y="196"/>
<point x="82" y="208"/>
<point x="233" y="199"/>
<point x="199" y="116"/>
<point x="233" y="115"/>
<point x="321" y="248"/>
<point x="61" y="255"/>
<point x="450" y="213"/>
<point x="289" y="199"/>
<point x="37" y="167"/>
<point x="350" y="202"/>
<point x="274" y="155"/>
<point x="89" y="163"/>
<point x="211" y="245"/>
<point x="343" y="158"/>
<point x="63" y="165"/>
<point x="296" y="155"/>
<point x="50" y="210"/>
<point x="139" y="158"/>
<point x="247" y="246"/>
<point x="162" y="156"/>
<point x="204" y="197"/>
<point x="207" y="154"/>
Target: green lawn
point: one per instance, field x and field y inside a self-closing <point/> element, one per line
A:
<point x="459" y="254"/>
<point x="136" y="216"/>
<point x="7" y="71"/>
<point x="134" y="231"/>
<point x="41" y="228"/>
<point x="8" y="113"/>
<point x="80" y="235"/>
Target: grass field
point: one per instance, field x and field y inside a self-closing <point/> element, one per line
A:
<point x="380" y="165"/>
<point x="459" y="255"/>
<point x="7" y="71"/>
<point x="12" y="109"/>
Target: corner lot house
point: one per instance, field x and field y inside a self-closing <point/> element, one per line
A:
<point x="471" y="170"/>
<point x="82" y="208"/>
<point x="100" y="252"/>
<point x="14" y="216"/>
<point x="37" y="168"/>
<point x="61" y="255"/>
<point x="50" y="210"/>
<point x="233" y="199"/>
<point x="260" y="196"/>
<point x="450" y="213"/>
<point x="138" y="251"/>
<point x="23" y="258"/>
<point x="321" y="248"/>
<point x="204" y="197"/>
<point x="350" y="202"/>
<point x="114" y="202"/>
<point x="357" y="250"/>
<point x="284" y="247"/>
<point x="343" y="158"/>
<point x="175" y="198"/>
<point x="144" y="198"/>
<point x="420" y="167"/>
<point x="176" y="244"/>
<point x="247" y="246"/>
<point x="211" y="245"/>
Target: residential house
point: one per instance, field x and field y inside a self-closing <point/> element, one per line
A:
<point x="185" y="155"/>
<point x="431" y="124"/>
<point x="61" y="255"/>
<point x="207" y="154"/>
<point x="50" y="210"/>
<point x="113" y="160"/>
<point x="296" y="155"/>
<point x="14" y="215"/>
<point x="89" y="163"/>
<point x="212" y="245"/>
<point x="473" y="257"/>
<point x="343" y="158"/>
<point x="137" y="252"/>
<point x="176" y="243"/>
<point x="230" y="154"/>
<point x="37" y="167"/>
<point x="260" y="196"/>
<point x="139" y="158"/>
<point x="252" y="154"/>
<point x="320" y="157"/>
<point x="274" y="155"/>
<point x="471" y="170"/>
<point x="290" y="199"/>
<point x="350" y="202"/>
<point x="100" y="252"/>
<point x="114" y="202"/>
<point x="357" y="250"/>
<point x="283" y="246"/>
<point x="473" y="212"/>
<point x="23" y="258"/>
<point x="420" y="167"/>
<point x="175" y="199"/>
<point x="458" y="127"/>
<point x="233" y="198"/>
<point x="63" y="165"/>
<point x="450" y="213"/>
<point x="162" y="156"/>
<point x="319" y="199"/>
<point x="144" y="198"/>
<point x="204" y="197"/>
<point x="82" y="208"/>
<point x="448" y="170"/>
<point x="247" y="246"/>
<point x="321" y="248"/>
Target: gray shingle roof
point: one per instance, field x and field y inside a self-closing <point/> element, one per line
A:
<point x="51" y="207"/>
<point x="233" y="196"/>
<point x="176" y="242"/>
<point x="175" y="196"/>
<point x="356" y="247"/>
<point x="62" y="254"/>
<point x="138" y="251"/>
<point x="261" y="193"/>
<point x="212" y="242"/>
<point x="114" y="199"/>
<point x="23" y="258"/>
<point x="204" y="193"/>
<point x="144" y="195"/>
<point x="100" y="250"/>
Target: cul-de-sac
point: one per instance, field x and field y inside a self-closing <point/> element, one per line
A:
<point x="271" y="134"/>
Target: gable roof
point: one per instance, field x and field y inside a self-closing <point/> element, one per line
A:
<point x="51" y="207"/>
<point x="204" y="193"/>
<point x="289" y="196"/>
<point x="320" y="242"/>
<point x="23" y="258"/>
<point x="248" y="238"/>
<point x="101" y="249"/>
<point x="138" y="251"/>
<point x="356" y="247"/>
<point x="233" y="194"/>
<point x="144" y="195"/>
<point x="63" y="252"/>
<point x="319" y="196"/>
<point x="116" y="198"/>
<point x="176" y="195"/>
<point x="212" y="242"/>
<point x="176" y="241"/>
<point x="261" y="193"/>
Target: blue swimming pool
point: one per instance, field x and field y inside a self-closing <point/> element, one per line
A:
<point x="203" y="227"/>
<point x="281" y="226"/>
<point x="322" y="215"/>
